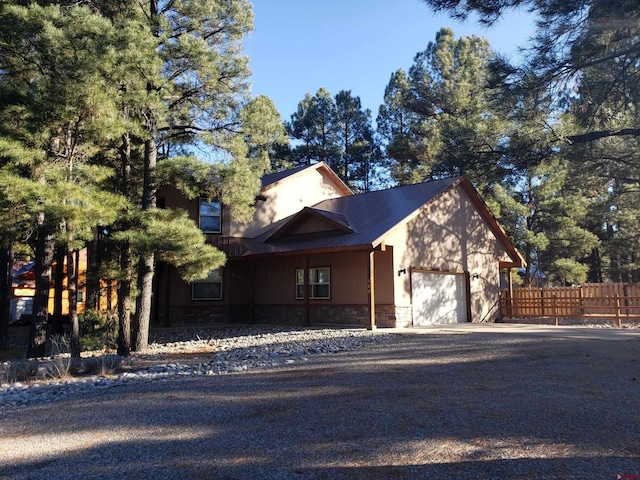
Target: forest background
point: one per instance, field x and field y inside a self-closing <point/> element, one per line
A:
<point x="102" y="103"/>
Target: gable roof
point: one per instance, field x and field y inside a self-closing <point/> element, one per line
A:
<point x="332" y="221"/>
<point x="271" y="180"/>
<point x="369" y="215"/>
<point x="363" y="221"/>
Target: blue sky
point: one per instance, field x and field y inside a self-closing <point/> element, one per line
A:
<point x="299" y="46"/>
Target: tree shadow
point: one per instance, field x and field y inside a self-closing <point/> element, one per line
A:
<point x="425" y="406"/>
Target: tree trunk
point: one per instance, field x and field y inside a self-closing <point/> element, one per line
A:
<point x="146" y="265"/>
<point x="45" y="247"/>
<point x="143" y="306"/>
<point x="149" y="190"/>
<point x="58" y="278"/>
<point x="124" y="301"/>
<point x="124" y="287"/>
<point x="92" y="301"/>
<point x="72" y="289"/>
<point x="6" y="281"/>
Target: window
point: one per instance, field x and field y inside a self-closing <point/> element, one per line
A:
<point x="209" y="216"/>
<point x="209" y="288"/>
<point x="319" y="283"/>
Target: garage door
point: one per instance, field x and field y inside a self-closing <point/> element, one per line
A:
<point x="438" y="298"/>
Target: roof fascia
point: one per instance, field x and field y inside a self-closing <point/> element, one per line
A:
<point x="496" y="228"/>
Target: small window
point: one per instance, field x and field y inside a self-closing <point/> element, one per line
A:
<point x="209" y="215"/>
<point x="209" y="288"/>
<point x="319" y="283"/>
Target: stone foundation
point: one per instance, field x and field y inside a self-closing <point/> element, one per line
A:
<point x="386" y="315"/>
<point x="204" y="315"/>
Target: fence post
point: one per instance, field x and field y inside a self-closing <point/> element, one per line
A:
<point x="618" y="319"/>
<point x="555" y="313"/>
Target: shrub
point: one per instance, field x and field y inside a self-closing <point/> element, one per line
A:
<point x="98" y="330"/>
<point x="102" y="365"/>
<point x="18" y="370"/>
<point x="61" y="362"/>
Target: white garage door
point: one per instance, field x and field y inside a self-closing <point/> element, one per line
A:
<point x="438" y="298"/>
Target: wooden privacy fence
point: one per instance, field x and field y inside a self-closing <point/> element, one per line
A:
<point x="594" y="301"/>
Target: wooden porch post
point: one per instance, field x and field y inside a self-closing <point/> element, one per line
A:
<point x="510" y="300"/>
<point x="372" y="292"/>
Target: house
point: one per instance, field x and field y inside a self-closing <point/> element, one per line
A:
<point x="315" y="253"/>
<point x="24" y="288"/>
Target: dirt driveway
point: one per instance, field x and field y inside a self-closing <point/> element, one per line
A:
<point x="444" y="404"/>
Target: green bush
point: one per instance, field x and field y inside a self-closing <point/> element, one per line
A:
<point x="98" y="330"/>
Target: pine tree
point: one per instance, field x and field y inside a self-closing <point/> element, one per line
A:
<point x="56" y="114"/>
<point x="409" y="144"/>
<point x="439" y="120"/>
<point x="572" y="37"/>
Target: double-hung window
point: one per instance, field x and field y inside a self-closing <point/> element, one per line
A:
<point x="209" y="216"/>
<point x="209" y="288"/>
<point x="319" y="283"/>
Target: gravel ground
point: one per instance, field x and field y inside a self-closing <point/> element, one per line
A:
<point x="439" y="405"/>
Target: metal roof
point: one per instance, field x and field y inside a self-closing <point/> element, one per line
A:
<point x="271" y="178"/>
<point x="369" y="215"/>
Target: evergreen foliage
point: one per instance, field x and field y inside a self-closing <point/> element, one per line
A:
<point x="339" y="132"/>
<point x="91" y="93"/>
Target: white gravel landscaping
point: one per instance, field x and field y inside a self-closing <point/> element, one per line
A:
<point x="216" y="351"/>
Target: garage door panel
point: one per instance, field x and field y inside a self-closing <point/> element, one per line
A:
<point x="438" y="298"/>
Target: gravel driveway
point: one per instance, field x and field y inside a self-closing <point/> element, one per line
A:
<point x="445" y="404"/>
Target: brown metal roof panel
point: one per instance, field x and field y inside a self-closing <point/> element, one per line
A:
<point x="370" y="215"/>
<point x="270" y="178"/>
<point x="375" y="213"/>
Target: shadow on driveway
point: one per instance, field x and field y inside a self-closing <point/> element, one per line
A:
<point x="440" y="405"/>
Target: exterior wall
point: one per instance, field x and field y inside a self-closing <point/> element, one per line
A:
<point x="275" y="278"/>
<point x="303" y="189"/>
<point x="274" y="293"/>
<point x="174" y="304"/>
<point x="449" y="234"/>
<point x="172" y="197"/>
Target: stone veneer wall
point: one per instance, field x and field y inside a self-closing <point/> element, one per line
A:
<point x="204" y="315"/>
<point x="404" y="316"/>
<point x="386" y="315"/>
<point x="278" y="314"/>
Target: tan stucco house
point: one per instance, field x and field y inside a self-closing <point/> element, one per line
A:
<point x="315" y="253"/>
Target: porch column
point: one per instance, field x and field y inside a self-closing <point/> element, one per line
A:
<point x="372" y="292"/>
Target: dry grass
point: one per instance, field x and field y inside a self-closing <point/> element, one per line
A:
<point x="18" y="371"/>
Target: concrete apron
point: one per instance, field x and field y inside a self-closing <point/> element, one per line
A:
<point x="583" y="332"/>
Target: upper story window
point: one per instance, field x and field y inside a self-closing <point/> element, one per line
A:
<point x="210" y="216"/>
